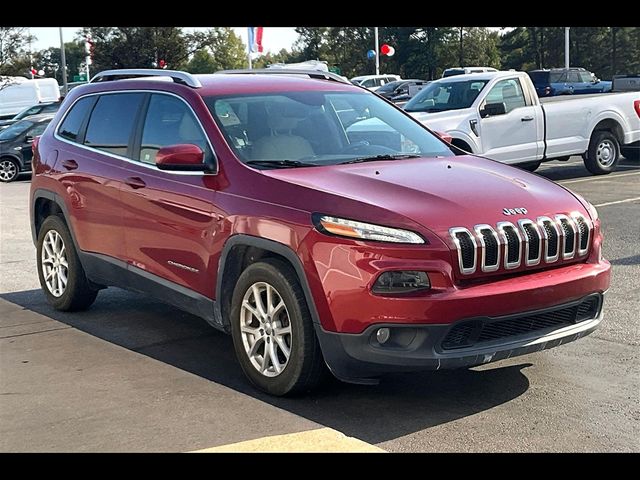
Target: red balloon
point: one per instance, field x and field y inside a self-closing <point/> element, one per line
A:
<point x="384" y="49"/>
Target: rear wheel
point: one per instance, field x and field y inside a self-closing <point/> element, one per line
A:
<point x="61" y="275"/>
<point x="272" y="331"/>
<point x="9" y="170"/>
<point x="603" y="153"/>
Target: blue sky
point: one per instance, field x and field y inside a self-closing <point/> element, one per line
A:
<point x="273" y="39"/>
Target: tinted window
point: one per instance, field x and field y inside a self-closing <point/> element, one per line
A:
<point x="72" y="123"/>
<point x="38" y="129"/>
<point x="508" y="92"/>
<point x="574" y="77"/>
<point x="169" y="121"/>
<point x="111" y="122"/>
<point x="585" y="77"/>
<point x="16" y="129"/>
<point x="556" y="77"/>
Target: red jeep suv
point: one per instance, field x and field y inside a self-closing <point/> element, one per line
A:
<point x="312" y="220"/>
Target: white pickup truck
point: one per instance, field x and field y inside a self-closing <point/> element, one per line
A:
<point x="499" y="115"/>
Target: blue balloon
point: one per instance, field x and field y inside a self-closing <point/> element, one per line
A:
<point x="371" y="54"/>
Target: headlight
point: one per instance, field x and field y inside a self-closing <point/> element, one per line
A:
<point x="364" y="231"/>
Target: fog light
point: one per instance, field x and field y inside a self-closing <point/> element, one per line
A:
<point x="401" y="282"/>
<point x="382" y="335"/>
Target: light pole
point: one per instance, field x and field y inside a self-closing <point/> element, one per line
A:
<point x="566" y="47"/>
<point x="375" y="34"/>
<point x="63" y="60"/>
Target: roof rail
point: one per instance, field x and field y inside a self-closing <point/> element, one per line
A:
<point x="178" y="76"/>
<point x="317" y="74"/>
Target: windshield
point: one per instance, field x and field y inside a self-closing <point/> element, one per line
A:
<point x="319" y="128"/>
<point x="14" y="130"/>
<point x="389" y="87"/>
<point x="442" y="96"/>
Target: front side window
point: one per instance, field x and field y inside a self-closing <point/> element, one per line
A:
<point x="169" y="121"/>
<point x="508" y="92"/>
<point x="446" y="95"/>
<point x="112" y="121"/>
<point x="15" y="130"/>
<point x="585" y="77"/>
<point x="70" y="127"/>
<point x="320" y="128"/>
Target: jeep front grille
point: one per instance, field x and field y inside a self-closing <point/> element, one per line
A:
<point x="530" y="242"/>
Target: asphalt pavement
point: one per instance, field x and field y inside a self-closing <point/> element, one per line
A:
<point x="133" y="374"/>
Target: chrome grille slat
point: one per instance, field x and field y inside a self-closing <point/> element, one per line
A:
<point x="529" y="243"/>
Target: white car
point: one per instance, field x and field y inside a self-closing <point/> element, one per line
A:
<point x="450" y="72"/>
<point x="373" y="82"/>
<point x="499" y="115"/>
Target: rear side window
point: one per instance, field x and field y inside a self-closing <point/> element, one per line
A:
<point x="70" y="127"/>
<point x="112" y="121"/>
<point x="169" y="121"/>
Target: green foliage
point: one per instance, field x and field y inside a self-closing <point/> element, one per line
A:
<point x="50" y="60"/>
<point x="216" y="49"/>
<point x="14" y="60"/>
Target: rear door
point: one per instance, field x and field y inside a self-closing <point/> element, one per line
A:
<point x="95" y="136"/>
<point x="513" y="136"/>
<point x="169" y="224"/>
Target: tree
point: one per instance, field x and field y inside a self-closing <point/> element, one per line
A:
<point x="14" y="60"/>
<point x="216" y="49"/>
<point x="50" y="60"/>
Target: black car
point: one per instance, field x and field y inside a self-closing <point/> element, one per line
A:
<point x="15" y="145"/>
<point x="401" y="90"/>
<point x="44" y="107"/>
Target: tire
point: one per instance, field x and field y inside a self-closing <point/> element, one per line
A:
<point x="304" y="368"/>
<point x="603" y="153"/>
<point x="77" y="294"/>
<point x="529" y="167"/>
<point x="9" y="170"/>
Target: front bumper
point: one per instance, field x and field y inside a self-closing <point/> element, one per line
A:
<point x="359" y="358"/>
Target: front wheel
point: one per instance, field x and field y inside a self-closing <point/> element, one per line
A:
<point x="603" y="153"/>
<point x="272" y="330"/>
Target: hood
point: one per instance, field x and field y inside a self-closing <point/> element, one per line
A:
<point x="438" y="193"/>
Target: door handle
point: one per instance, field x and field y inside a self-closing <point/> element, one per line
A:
<point x="526" y="119"/>
<point x="135" y="182"/>
<point x="70" y="164"/>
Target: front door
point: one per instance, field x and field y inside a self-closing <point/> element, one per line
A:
<point x="513" y="136"/>
<point x="168" y="216"/>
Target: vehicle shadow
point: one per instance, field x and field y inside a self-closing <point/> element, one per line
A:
<point x="558" y="171"/>
<point x="400" y="405"/>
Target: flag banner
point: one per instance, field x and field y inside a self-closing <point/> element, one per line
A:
<point x="255" y="39"/>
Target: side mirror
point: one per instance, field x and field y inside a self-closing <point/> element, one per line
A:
<point x="491" y="109"/>
<point x="28" y="139"/>
<point x="181" y="157"/>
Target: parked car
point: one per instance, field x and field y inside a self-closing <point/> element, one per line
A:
<point x="45" y="107"/>
<point x="401" y="90"/>
<point x="373" y="82"/>
<point x="248" y="202"/>
<point x="499" y="115"/>
<point x="15" y="145"/>
<point x="450" y="72"/>
<point x="626" y="83"/>
<point x="562" y="81"/>
<point x="23" y="93"/>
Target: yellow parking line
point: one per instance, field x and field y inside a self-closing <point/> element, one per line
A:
<point x="319" y="440"/>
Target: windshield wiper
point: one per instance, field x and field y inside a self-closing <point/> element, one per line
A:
<point x="377" y="158"/>
<point x="280" y="163"/>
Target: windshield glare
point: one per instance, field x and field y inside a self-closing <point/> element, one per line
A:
<point x="319" y="128"/>
<point x="14" y="130"/>
<point x="442" y="96"/>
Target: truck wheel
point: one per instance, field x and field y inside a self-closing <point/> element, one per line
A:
<point x="61" y="274"/>
<point x="603" y="153"/>
<point x="529" y="167"/>
<point x="272" y="330"/>
<point x="9" y="170"/>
